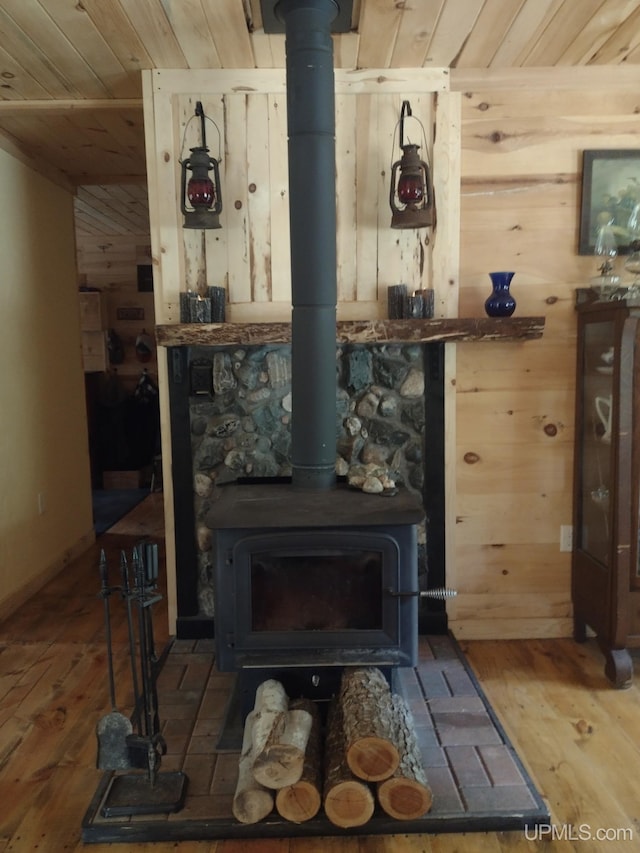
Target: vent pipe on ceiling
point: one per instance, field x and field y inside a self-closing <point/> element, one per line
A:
<point x="312" y="213"/>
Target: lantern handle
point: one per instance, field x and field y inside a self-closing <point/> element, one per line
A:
<point x="199" y="113"/>
<point x="405" y="111"/>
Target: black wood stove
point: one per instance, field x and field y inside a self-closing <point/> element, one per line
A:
<point x="310" y="581"/>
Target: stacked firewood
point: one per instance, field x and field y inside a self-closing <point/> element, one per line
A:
<point x="366" y="752"/>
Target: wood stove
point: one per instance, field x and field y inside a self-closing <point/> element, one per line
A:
<point x="315" y="579"/>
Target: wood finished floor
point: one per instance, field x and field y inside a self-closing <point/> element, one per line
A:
<point x="579" y="738"/>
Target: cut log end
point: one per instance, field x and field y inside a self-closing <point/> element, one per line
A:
<point x="372" y="758"/>
<point x="404" y="799"/>
<point x="252" y="806"/>
<point x="279" y="766"/>
<point x="349" y="803"/>
<point x="299" y="802"/>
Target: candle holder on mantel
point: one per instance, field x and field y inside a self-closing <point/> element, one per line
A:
<point x="402" y="305"/>
<point x="195" y="308"/>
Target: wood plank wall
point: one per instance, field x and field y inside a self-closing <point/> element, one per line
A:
<point x="249" y="255"/>
<point x="110" y="263"/>
<point x="516" y="139"/>
<point x="522" y="140"/>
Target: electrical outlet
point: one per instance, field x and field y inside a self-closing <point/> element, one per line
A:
<point x="566" y="537"/>
<point x="42" y="504"/>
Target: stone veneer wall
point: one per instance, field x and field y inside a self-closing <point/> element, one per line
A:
<point x="243" y="429"/>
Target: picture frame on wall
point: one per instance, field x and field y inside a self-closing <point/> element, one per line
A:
<point x="610" y="192"/>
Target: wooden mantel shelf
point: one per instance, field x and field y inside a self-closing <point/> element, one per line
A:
<point x="356" y="331"/>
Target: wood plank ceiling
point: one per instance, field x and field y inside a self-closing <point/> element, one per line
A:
<point x="70" y="92"/>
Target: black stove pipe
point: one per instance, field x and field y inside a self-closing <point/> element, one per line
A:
<point x="312" y="214"/>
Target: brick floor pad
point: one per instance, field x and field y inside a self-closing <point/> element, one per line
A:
<point x="477" y="780"/>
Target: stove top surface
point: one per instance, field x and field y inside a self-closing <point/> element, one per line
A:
<point x="279" y="504"/>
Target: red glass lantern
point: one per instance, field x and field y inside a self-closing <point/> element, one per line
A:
<point x="411" y="192"/>
<point x="200" y="199"/>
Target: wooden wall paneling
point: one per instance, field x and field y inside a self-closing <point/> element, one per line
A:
<point x="216" y="240"/>
<point x="445" y="238"/>
<point x="541" y="368"/>
<point x="155" y="110"/>
<point x="581" y="79"/>
<point x="398" y="249"/>
<point x="347" y="156"/>
<point x="539" y="605"/>
<point x="445" y="271"/>
<point x="366" y="186"/>
<point x="235" y="193"/>
<point x="259" y="197"/>
<point x="163" y="175"/>
<point x="280" y="242"/>
<point x="515" y="406"/>
<point x="559" y="102"/>
<point x="414" y="245"/>
<point x="193" y="241"/>
<point x="485" y="466"/>
<point x="506" y="569"/>
<point x="497" y="519"/>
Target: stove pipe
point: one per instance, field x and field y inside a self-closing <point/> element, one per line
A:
<point x="312" y="214"/>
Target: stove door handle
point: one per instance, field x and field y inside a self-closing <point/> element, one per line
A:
<point x="440" y="593"/>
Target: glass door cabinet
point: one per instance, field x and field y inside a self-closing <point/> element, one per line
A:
<point x="605" y="565"/>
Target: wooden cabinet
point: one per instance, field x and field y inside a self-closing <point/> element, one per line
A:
<point x="605" y="566"/>
<point x="93" y="323"/>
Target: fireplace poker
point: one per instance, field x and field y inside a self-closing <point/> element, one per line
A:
<point x="127" y="595"/>
<point x="147" y="747"/>
<point x="113" y="729"/>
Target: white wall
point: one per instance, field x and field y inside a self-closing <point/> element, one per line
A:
<point x="44" y="457"/>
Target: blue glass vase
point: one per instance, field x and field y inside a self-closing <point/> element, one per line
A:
<point x="501" y="303"/>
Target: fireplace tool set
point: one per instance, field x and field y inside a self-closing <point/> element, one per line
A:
<point x="136" y="744"/>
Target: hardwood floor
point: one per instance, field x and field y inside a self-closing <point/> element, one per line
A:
<point x="579" y="738"/>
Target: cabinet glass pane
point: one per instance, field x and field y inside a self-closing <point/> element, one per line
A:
<point x="595" y="440"/>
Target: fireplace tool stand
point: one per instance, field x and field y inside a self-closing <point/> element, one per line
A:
<point x="143" y="790"/>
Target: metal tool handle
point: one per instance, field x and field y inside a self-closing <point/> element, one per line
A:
<point x="105" y="593"/>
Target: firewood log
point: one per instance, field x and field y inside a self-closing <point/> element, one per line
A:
<point x="251" y="802"/>
<point x="270" y="710"/>
<point x="406" y="795"/>
<point x="347" y="801"/>
<point x="281" y="761"/>
<point x="365" y="698"/>
<point x="302" y="800"/>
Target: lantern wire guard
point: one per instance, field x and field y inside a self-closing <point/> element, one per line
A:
<point x="411" y="195"/>
<point x="200" y="197"/>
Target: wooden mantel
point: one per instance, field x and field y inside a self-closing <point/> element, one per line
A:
<point x="356" y="331"/>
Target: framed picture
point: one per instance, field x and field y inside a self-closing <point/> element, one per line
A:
<point x="610" y="192"/>
<point x="130" y="313"/>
